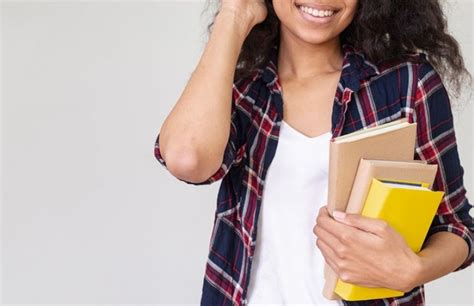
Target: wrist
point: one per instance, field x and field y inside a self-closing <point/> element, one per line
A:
<point x="416" y="273"/>
<point x="240" y="23"/>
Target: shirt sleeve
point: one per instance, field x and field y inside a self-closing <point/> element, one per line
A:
<point x="436" y="143"/>
<point x="235" y="148"/>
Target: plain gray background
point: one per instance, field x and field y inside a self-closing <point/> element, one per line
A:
<point x="88" y="215"/>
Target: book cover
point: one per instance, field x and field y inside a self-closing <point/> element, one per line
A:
<point x="376" y="142"/>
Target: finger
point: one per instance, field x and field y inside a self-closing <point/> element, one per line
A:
<point x="332" y="260"/>
<point x="343" y="232"/>
<point x="323" y="212"/>
<point x="329" y="239"/>
<point x="328" y="255"/>
<point x="375" y="226"/>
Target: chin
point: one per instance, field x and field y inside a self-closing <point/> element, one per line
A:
<point x="315" y="37"/>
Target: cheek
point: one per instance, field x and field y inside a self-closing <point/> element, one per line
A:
<point x="351" y="7"/>
<point x="283" y="9"/>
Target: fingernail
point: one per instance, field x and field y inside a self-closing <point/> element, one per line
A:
<point x="339" y="215"/>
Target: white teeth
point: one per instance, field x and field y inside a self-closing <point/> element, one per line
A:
<point x="315" y="12"/>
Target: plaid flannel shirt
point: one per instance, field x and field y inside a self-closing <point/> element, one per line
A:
<point x="367" y="95"/>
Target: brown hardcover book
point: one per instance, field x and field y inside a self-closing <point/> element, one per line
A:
<point x="410" y="171"/>
<point x="394" y="140"/>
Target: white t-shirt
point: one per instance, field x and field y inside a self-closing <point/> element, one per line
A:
<point x="288" y="267"/>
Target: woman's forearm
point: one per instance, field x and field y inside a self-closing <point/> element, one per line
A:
<point x="442" y="253"/>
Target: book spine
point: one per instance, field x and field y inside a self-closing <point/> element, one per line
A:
<point x="378" y="193"/>
<point x="330" y="276"/>
<point x="360" y="187"/>
<point x="332" y="177"/>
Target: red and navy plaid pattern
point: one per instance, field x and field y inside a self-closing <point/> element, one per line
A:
<point x="367" y="95"/>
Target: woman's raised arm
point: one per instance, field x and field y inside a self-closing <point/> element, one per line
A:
<point x="195" y="135"/>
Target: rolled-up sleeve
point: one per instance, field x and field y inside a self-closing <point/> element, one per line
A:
<point x="235" y="148"/>
<point x="436" y="143"/>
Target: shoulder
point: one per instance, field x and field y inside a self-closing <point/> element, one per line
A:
<point x="415" y="65"/>
<point x="421" y="74"/>
<point x="408" y="75"/>
<point x="421" y="87"/>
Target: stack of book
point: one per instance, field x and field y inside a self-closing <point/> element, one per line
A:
<point x="372" y="172"/>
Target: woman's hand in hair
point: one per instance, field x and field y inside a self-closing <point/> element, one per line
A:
<point x="366" y="251"/>
<point x="252" y="12"/>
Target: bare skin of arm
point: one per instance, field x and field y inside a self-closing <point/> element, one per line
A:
<point x="442" y="254"/>
<point x="190" y="151"/>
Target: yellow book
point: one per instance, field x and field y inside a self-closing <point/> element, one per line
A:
<point x="409" y="207"/>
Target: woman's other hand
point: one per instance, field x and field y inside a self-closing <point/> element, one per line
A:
<point x="366" y="251"/>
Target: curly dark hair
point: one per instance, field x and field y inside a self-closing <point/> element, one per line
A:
<point x="382" y="29"/>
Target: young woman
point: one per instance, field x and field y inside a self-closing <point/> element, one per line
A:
<point x="276" y="81"/>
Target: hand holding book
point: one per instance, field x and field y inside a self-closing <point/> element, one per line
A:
<point x="370" y="252"/>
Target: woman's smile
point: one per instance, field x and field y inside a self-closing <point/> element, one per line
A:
<point x="316" y="13"/>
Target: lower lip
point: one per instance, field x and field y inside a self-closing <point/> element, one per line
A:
<point x="316" y="20"/>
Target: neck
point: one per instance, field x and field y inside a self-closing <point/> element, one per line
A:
<point x="301" y="60"/>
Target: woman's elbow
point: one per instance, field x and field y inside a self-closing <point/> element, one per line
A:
<point x="188" y="166"/>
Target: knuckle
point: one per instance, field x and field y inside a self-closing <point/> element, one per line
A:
<point x="345" y="237"/>
<point x="320" y="221"/>
<point x="345" y="277"/>
<point x="384" y="226"/>
<point x="342" y="251"/>
<point x="342" y="266"/>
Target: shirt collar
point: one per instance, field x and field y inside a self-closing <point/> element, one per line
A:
<point x="356" y="68"/>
